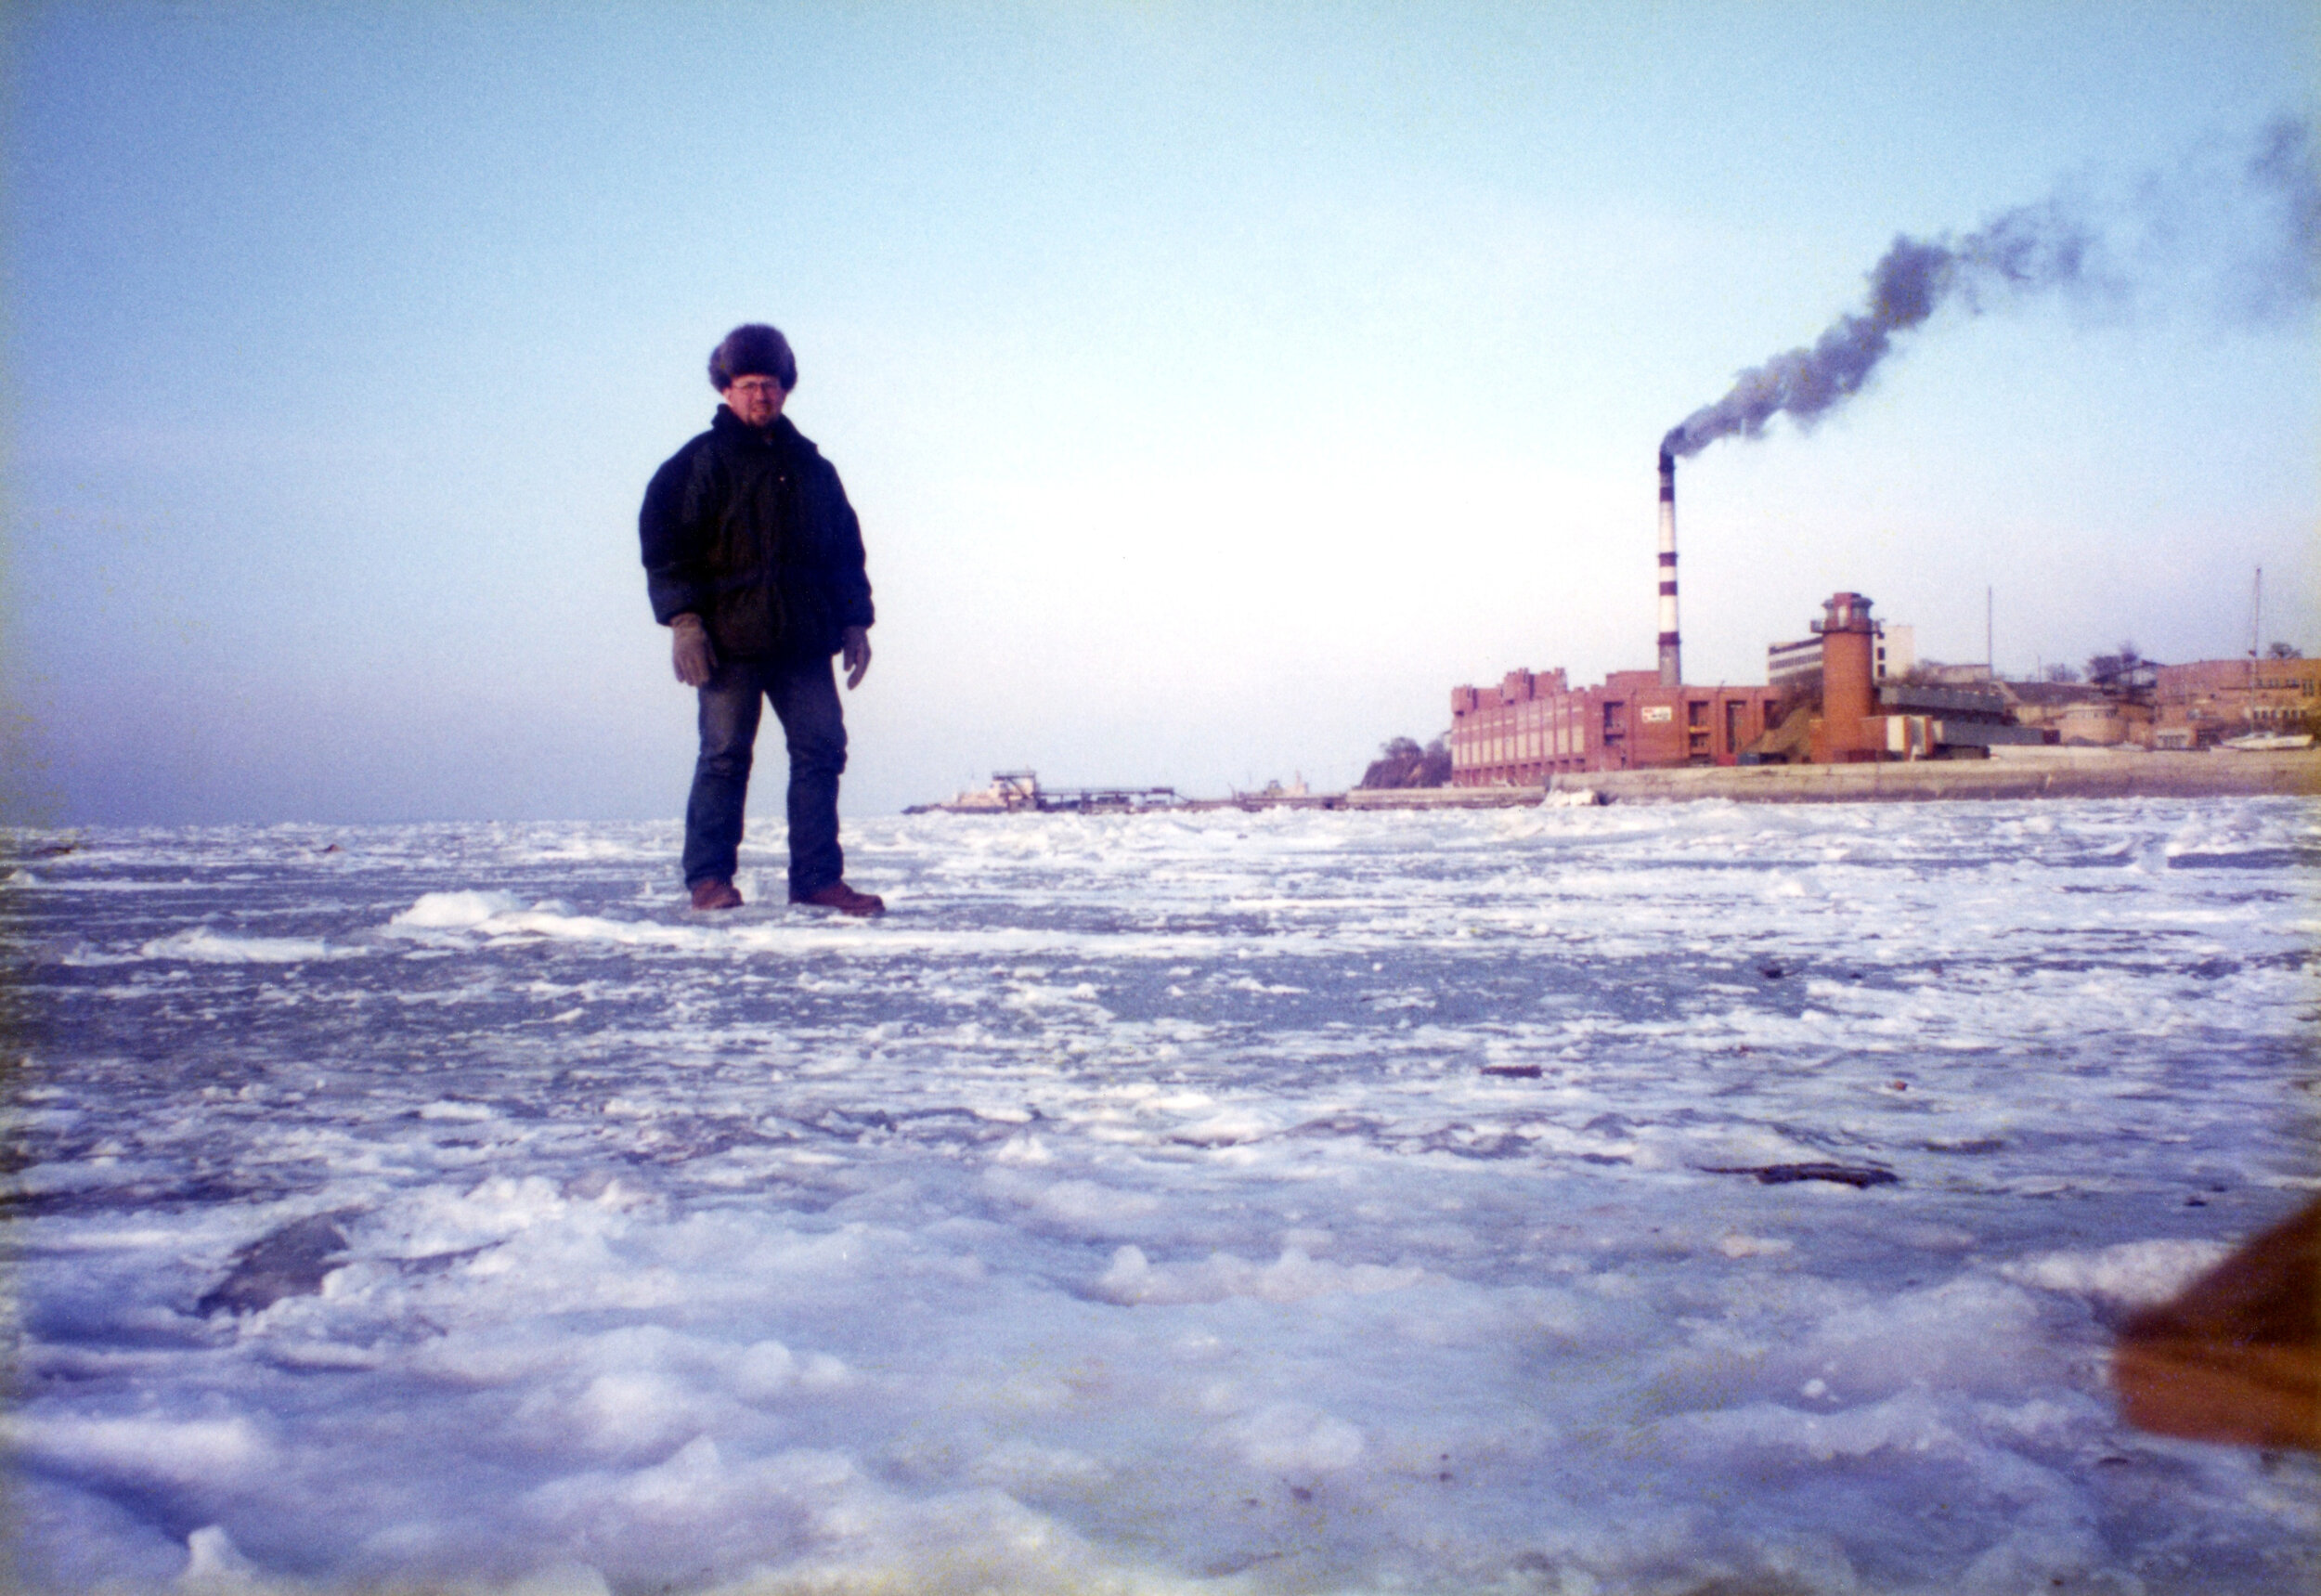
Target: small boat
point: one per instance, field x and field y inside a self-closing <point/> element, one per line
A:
<point x="1016" y="792"/>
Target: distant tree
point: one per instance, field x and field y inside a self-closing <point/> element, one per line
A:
<point x="2103" y="669"/>
<point x="1402" y="763"/>
<point x="1397" y="758"/>
<point x="2284" y="651"/>
<point x="2060" y="672"/>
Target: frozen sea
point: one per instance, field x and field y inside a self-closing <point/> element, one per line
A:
<point x="1240" y="1203"/>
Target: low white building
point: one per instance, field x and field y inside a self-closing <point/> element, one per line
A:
<point x="1893" y="653"/>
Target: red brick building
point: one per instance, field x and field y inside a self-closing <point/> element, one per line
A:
<point x="2211" y="699"/>
<point x="1532" y="725"/>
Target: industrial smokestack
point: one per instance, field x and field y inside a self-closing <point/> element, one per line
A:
<point x="1671" y="656"/>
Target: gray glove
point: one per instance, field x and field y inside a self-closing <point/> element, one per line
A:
<point x="690" y="650"/>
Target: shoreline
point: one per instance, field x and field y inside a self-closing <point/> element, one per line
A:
<point x="2164" y="775"/>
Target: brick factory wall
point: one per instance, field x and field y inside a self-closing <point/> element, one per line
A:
<point x="1534" y="725"/>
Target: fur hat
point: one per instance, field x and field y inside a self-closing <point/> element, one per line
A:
<point x="753" y="349"/>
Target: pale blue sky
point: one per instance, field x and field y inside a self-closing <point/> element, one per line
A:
<point x="1218" y="384"/>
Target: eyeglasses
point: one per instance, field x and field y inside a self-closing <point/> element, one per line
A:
<point x="753" y="386"/>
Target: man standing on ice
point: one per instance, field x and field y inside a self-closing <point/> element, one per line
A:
<point x="753" y="560"/>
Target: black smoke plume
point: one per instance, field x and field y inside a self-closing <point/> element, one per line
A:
<point x="2253" y="229"/>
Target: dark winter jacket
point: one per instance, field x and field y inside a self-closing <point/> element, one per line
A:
<point x="752" y="532"/>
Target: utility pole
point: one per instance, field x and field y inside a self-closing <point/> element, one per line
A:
<point x="1990" y="656"/>
<point x="2256" y="641"/>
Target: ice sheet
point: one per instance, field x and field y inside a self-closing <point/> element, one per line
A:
<point x="1278" y="1202"/>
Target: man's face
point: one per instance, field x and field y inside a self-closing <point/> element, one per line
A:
<point x="756" y="400"/>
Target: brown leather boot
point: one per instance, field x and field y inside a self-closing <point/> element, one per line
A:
<point x="716" y="892"/>
<point x="2236" y="1355"/>
<point x="842" y="897"/>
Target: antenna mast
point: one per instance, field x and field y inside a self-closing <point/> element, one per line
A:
<point x="2256" y="642"/>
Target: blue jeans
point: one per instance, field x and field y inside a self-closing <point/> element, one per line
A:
<point x="805" y="696"/>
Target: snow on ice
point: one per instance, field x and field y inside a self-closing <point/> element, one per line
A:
<point x="1296" y="1202"/>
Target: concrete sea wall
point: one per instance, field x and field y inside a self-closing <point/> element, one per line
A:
<point x="2055" y="775"/>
